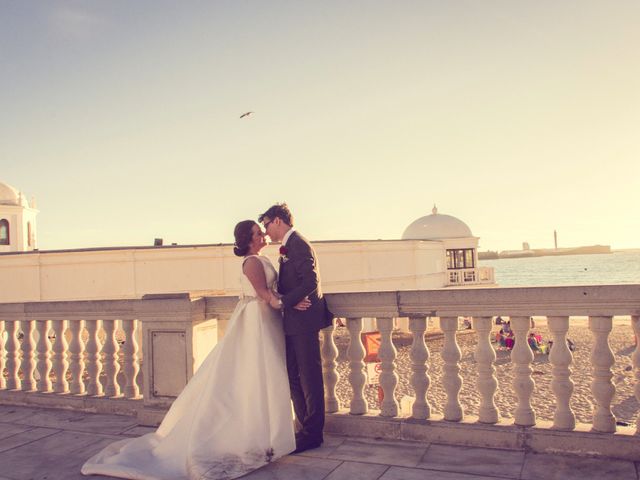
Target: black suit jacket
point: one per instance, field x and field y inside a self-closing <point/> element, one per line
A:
<point x="299" y="277"/>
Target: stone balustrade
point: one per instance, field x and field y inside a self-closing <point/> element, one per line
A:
<point x="118" y="356"/>
<point x="92" y="350"/>
<point x="69" y="350"/>
<point x="599" y="303"/>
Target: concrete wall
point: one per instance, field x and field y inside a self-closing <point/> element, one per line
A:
<point x="213" y="269"/>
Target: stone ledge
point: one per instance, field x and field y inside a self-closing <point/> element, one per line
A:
<point x="68" y="401"/>
<point x="542" y="438"/>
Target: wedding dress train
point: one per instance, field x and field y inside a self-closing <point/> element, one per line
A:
<point x="233" y="416"/>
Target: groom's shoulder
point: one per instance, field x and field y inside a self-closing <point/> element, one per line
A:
<point x="296" y="236"/>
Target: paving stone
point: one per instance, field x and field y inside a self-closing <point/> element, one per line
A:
<point x="138" y="431"/>
<point x="565" y="467"/>
<point x="80" y="421"/>
<point x="295" y="467"/>
<point x="33" y="465"/>
<point x="478" y="461"/>
<point x="9" y="429"/>
<point x="91" y="449"/>
<point x="357" y="471"/>
<point x="24" y="438"/>
<point x="10" y="413"/>
<point x="387" y="453"/>
<point x="330" y="444"/>
<point x="403" y="473"/>
<point x="61" y="443"/>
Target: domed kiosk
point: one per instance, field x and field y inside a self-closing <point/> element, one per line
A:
<point x="17" y="221"/>
<point x="460" y="246"/>
<point x="436" y="227"/>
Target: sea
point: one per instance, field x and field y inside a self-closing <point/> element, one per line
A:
<point x="618" y="267"/>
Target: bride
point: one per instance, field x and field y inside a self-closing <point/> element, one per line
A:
<point x="234" y="415"/>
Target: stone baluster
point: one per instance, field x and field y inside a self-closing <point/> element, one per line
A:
<point x="451" y="379"/>
<point x="111" y="366"/>
<point x="523" y="384"/>
<point x="43" y="355"/>
<point x="561" y="383"/>
<point x="388" y="376"/>
<point x="3" y="382"/>
<point x="94" y="365"/>
<point x="420" y="380"/>
<point x="635" y="358"/>
<point x="13" y="355"/>
<point x="602" y="387"/>
<point x="76" y="357"/>
<point x="60" y="362"/>
<point x="485" y="357"/>
<point x="28" y="365"/>
<point x="131" y="360"/>
<point x="329" y="368"/>
<point x="357" y="377"/>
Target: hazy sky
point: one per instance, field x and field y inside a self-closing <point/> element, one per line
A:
<point x="517" y="117"/>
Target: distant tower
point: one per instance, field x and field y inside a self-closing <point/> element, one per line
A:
<point x="17" y="221"/>
<point x="555" y="239"/>
<point x="525" y="246"/>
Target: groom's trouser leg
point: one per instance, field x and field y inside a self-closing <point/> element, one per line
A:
<point x="304" y="366"/>
<point x="295" y="386"/>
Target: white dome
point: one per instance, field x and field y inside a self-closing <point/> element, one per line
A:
<point x="11" y="196"/>
<point x="436" y="227"/>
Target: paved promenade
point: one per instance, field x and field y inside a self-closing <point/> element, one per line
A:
<point x="45" y="444"/>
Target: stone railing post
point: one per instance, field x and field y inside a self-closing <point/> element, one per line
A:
<point x="329" y="368"/>
<point x="94" y="365"/>
<point x="602" y="387"/>
<point x="28" y="364"/>
<point x="176" y="338"/>
<point x="419" y="377"/>
<point x="357" y="377"/>
<point x="43" y="349"/>
<point x="76" y="357"/>
<point x="561" y="384"/>
<point x="3" y="382"/>
<point x="60" y="351"/>
<point x="523" y="384"/>
<point x="451" y="378"/>
<point x="13" y="355"/>
<point x="388" y="376"/>
<point x="110" y="350"/>
<point x="131" y="360"/>
<point x="485" y="356"/>
<point x="635" y="358"/>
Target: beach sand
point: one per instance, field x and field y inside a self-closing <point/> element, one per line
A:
<point x="624" y="405"/>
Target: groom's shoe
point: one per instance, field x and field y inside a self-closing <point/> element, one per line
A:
<point x="305" y="443"/>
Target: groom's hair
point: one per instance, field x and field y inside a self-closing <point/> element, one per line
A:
<point x="280" y="210"/>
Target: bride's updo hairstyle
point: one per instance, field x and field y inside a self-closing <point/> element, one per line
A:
<point x="243" y="234"/>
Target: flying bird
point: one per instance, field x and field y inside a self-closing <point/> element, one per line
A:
<point x="246" y="114"/>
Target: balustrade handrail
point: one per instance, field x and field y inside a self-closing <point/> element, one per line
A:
<point x="585" y="300"/>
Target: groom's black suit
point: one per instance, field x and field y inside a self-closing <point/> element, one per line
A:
<point x="298" y="278"/>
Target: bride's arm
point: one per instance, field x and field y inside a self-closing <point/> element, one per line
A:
<point x="254" y="271"/>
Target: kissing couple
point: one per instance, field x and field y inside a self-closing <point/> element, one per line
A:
<point x="234" y="415"/>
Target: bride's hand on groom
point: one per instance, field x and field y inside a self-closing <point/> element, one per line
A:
<point x="303" y="305"/>
<point x="274" y="301"/>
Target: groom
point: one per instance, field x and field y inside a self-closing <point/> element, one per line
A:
<point x="299" y="278"/>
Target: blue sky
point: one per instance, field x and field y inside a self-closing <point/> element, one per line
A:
<point x="517" y="117"/>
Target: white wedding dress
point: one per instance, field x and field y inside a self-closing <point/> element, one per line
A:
<point x="233" y="416"/>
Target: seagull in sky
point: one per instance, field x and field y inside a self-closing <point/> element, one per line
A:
<point x="246" y="114"/>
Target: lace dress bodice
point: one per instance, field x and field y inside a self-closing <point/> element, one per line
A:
<point x="247" y="289"/>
